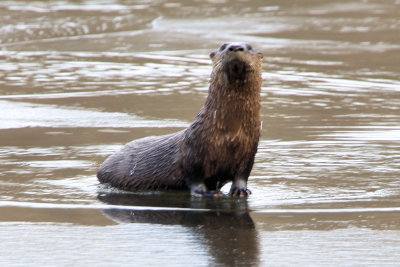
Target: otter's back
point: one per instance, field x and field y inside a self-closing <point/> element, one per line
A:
<point x="147" y="163"/>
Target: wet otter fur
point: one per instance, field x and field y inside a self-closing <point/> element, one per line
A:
<point x="218" y="147"/>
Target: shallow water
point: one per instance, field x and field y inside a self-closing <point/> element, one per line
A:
<point x="80" y="79"/>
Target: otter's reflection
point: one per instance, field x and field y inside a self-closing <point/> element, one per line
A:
<point x="223" y="225"/>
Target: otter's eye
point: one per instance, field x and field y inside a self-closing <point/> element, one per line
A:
<point x="249" y="47"/>
<point x="222" y="48"/>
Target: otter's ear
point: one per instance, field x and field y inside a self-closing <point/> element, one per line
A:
<point x="260" y="55"/>
<point x="212" y="55"/>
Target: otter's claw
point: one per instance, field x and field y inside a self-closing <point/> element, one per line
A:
<point x="200" y="190"/>
<point x="207" y="194"/>
<point x="239" y="192"/>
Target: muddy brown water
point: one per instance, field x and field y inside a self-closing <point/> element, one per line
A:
<point x="78" y="79"/>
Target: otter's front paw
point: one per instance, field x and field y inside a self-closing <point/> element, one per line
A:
<point x="239" y="188"/>
<point x="239" y="192"/>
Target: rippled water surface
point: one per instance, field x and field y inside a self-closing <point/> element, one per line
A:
<point x="78" y="79"/>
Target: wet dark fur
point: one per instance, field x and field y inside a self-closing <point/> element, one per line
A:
<point x="219" y="146"/>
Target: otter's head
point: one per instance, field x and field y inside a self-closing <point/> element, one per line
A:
<point x="236" y="63"/>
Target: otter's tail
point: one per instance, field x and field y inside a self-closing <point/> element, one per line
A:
<point x="149" y="163"/>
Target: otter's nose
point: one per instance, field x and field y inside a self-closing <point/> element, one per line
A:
<point x="236" y="48"/>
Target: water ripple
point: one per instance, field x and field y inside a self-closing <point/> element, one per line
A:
<point x="22" y="114"/>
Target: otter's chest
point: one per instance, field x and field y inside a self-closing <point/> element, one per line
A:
<point x="226" y="152"/>
<point x="233" y="143"/>
<point x="227" y="148"/>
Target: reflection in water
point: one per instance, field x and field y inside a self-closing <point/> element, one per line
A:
<point x="223" y="226"/>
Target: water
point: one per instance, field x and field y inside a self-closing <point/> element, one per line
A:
<point x="80" y="79"/>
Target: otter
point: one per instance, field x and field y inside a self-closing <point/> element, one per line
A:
<point x="218" y="147"/>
